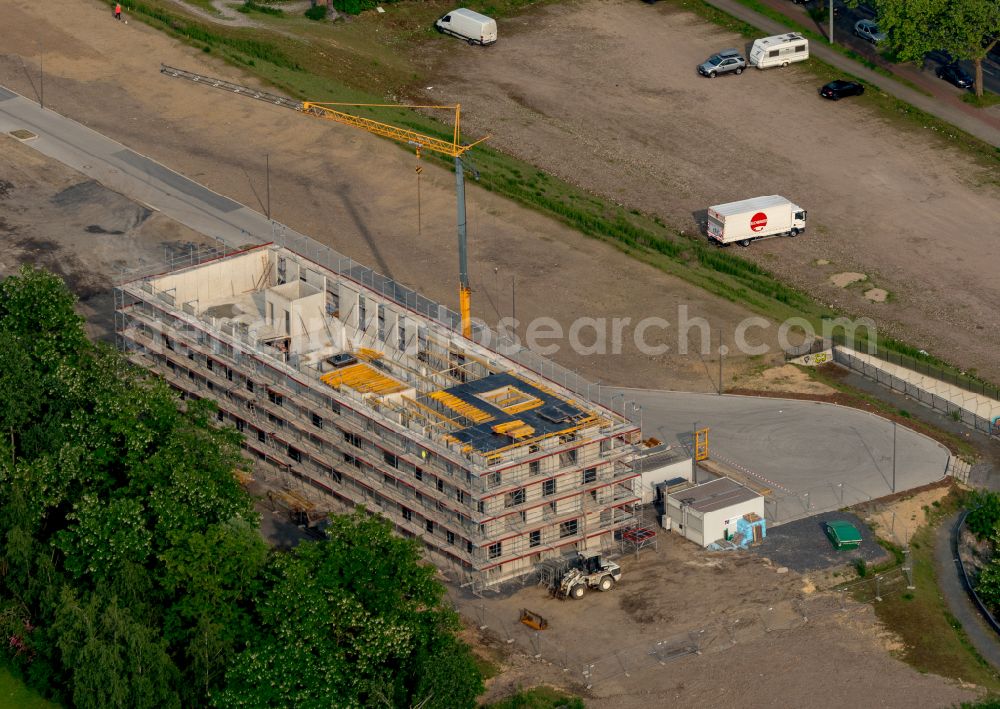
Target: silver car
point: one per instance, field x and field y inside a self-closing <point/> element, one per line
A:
<point x="725" y="62"/>
<point x="866" y="29"/>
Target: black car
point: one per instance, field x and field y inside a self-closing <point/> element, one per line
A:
<point x="954" y="74"/>
<point x="837" y="90"/>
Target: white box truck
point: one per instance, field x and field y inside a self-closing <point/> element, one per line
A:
<point x="758" y="218"/>
<point x="780" y="50"/>
<point x="468" y="25"/>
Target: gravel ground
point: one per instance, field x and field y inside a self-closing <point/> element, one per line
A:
<point x="605" y="94"/>
<point x="54" y="217"/>
<point x="755" y="648"/>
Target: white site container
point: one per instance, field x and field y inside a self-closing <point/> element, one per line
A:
<point x="758" y="218"/>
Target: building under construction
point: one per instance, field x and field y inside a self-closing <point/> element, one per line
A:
<point x="353" y="386"/>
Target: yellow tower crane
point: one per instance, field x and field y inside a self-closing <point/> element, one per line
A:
<point x="332" y="112"/>
<point x="453" y="149"/>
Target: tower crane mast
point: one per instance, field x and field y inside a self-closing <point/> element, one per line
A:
<point x="334" y="112"/>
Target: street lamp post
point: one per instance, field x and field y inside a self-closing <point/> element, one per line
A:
<point x="622" y="395"/>
<point x="694" y="453"/>
<point x="894" y="456"/>
<point x="831" y="21"/>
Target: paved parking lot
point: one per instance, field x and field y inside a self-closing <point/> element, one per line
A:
<point x="803" y="546"/>
<point x="815" y="457"/>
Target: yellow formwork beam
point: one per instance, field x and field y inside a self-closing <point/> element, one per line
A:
<point x="362" y="378"/>
<point x="460" y="406"/>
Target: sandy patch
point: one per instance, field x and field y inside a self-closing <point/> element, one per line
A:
<point x="822" y="262"/>
<point x="842" y="280"/>
<point x="876" y="295"/>
<point x="898" y="521"/>
<point x="787" y="378"/>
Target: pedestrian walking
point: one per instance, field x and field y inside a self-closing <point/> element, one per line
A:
<point x="118" y="11"/>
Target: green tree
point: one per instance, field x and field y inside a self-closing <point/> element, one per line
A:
<point x="114" y="660"/>
<point x="348" y="621"/>
<point x="132" y="572"/>
<point x="37" y="309"/>
<point x="988" y="585"/>
<point x="212" y="578"/>
<point x="967" y="29"/>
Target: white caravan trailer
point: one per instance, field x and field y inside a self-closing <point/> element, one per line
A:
<point x="780" y="50"/>
<point x="758" y="218"/>
<point x="468" y="25"/>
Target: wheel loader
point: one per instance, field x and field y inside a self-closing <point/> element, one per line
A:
<point x="589" y="571"/>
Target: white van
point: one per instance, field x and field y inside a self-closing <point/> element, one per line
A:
<point x="468" y="25"/>
<point x="780" y="50"/>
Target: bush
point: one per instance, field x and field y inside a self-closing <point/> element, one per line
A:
<point x="984" y="514"/>
<point x="861" y="566"/>
<point x="250" y="6"/>
<point x="316" y="12"/>
<point x="356" y="7"/>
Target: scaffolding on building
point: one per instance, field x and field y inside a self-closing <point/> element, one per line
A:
<point x="435" y="433"/>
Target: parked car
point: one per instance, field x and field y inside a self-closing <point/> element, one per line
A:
<point x="867" y="29"/>
<point x="954" y="74"/>
<point x="837" y="90"/>
<point x="725" y="62"/>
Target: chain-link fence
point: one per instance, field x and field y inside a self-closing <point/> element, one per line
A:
<point x="920" y="365"/>
<point x="781" y="508"/>
<point x="933" y="390"/>
<point x="877" y="587"/>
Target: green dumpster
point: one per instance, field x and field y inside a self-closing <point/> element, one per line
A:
<point x="843" y="535"/>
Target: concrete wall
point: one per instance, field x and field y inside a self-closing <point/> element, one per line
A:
<point x="652" y="478"/>
<point x="217" y="280"/>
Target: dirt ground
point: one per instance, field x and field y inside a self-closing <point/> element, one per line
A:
<point x="899" y="520"/>
<point x="605" y="94"/>
<point x="761" y="635"/>
<point x="55" y="217"/>
<point x="355" y="192"/>
<point x="787" y="379"/>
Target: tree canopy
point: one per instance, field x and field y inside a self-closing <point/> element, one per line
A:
<point x="966" y="29"/>
<point x="132" y="571"/>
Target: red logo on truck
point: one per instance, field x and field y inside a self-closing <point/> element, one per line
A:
<point x="758" y="221"/>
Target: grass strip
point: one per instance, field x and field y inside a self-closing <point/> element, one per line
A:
<point x="934" y="640"/>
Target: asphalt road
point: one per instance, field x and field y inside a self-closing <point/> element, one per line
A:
<point x="955" y="595"/>
<point x="131" y="174"/>
<point x="814" y="456"/>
